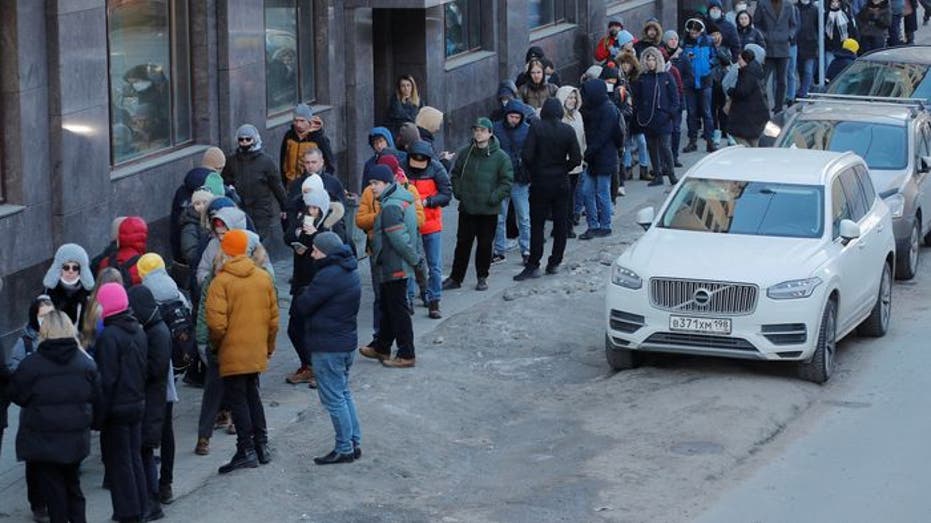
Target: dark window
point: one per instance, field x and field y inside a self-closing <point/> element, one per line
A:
<point x="289" y="54"/>
<point x="463" y="19"/>
<point x="863" y="176"/>
<point x="840" y="207"/>
<point x="855" y="197"/>
<point x="924" y="141"/>
<point x="150" y="76"/>
<point x="883" y="146"/>
<point x="897" y="80"/>
<point x="550" y="12"/>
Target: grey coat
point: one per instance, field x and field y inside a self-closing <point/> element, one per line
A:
<point x="778" y="27"/>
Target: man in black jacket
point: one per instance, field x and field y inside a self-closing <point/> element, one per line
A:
<point x="550" y="152"/>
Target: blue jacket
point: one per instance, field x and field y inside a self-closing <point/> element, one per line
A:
<point x="328" y="306"/>
<point x="603" y="128"/>
<point x="699" y="52"/>
<point x="729" y="37"/>
<point x="655" y="119"/>
<point x="391" y="149"/>
<point x="511" y="139"/>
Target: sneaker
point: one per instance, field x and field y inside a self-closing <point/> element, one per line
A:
<point x="482" y="284"/>
<point x="621" y="191"/>
<point x="399" y="363"/>
<point x="691" y="147"/>
<point x="589" y="234"/>
<point x="301" y="375"/>
<point x="451" y="284"/>
<point x="165" y="494"/>
<point x="527" y="273"/>
<point x="370" y="352"/>
<point x="203" y="447"/>
<point x="552" y="269"/>
<point x="656" y="181"/>
<point x="497" y="258"/>
<point x="434" y="308"/>
<point x="677" y="163"/>
<point x="601" y="233"/>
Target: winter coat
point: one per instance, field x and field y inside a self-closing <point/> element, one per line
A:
<point x="58" y="389"/>
<point x="242" y="316"/>
<point x="396" y="245"/>
<point x="24" y="346"/>
<point x="807" y="35"/>
<point x="606" y="48"/>
<point x="193" y="237"/>
<point x="432" y="185"/>
<point x="328" y="306"/>
<point x="551" y="150"/>
<point x="574" y="119"/>
<point x="699" y="53"/>
<point x="751" y="35"/>
<point x="401" y="112"/>
<point x="482" y="178"/>
<point x="304" y="265"/>
<point x="292" y="149"/>
<point x="778" y="26"/>
<point x="656" y="101"/>
<point x="842" y="59"/>
<point x="234" y="219"/>
<point x="70" y="300"/>
<point x="534" y="95"/>
<point x="511" y="139"/>
<point x="256" y="179"/>
<point x="132" y="239"/>
<point x="4" y="400"/>
<point x="604" y="133"/>
<point x="749" y="111"/>
<point x="645" y="40"/>
<point x="193" y="180"/>
<point x="121" y="358"/>
<point x="391" y="149"/>
<point x="730" y="40"/>
<point x="158" y="364"/>
<point x="833" y="36"/>
<point x="874" y="20"/>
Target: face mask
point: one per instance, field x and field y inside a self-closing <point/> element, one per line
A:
<point x="614" y="31"/>
<point x="741" y="7"/>
<point x="245" y="148"/>
<point x="804" y="2"/>
<point x="141" y="85"/>
<point x="715" y="13"/>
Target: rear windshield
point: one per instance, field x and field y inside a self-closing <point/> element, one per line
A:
<point x="895" y="80"/>
<point x="883" y="146"/>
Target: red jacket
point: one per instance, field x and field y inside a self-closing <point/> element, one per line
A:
<point x="131" y="240"/>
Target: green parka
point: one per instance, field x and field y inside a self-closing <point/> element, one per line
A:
<point x="482" y="178"/>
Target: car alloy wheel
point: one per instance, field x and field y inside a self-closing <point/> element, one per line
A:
<point x="885" y="299"/>
<point x="830" y="340"/>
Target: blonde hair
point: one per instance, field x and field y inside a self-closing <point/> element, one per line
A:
<point x="55" y="325"/>
<point x="415" y="95"/>
<point x="92" y="314"/>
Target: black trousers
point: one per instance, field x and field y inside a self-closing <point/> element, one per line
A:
<point x="661" y="158"/>
<point x="473" y="227"/>
<point x="242" y="393"/>
<point x="395" y="320"/>
<point x="34" y="487"/>
<point x="211" y="399"/>
<point x="781" y="68"/>
<point x="545" y="199"/>
<point x="123" y="462"/>
<point x="61" y="486"/>
<point x="167" y="451"/>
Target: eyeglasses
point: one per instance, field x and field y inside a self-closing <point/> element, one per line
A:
<point x="244" y="139"/>
<point x="71" y="267"/>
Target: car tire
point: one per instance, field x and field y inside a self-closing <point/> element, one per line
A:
<point x="906" y="263"/>
<point x="621" y="359"/>
<point x="877" y="323"/>
<point x="821" y="365"/>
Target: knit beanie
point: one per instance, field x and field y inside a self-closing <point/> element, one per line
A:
<point x="112" y="299"/>
<point x="149" y="262"/>
<point x="314" y="193"/>
<point x="235" y="242"/>
<point x="214" y="183"/>
<point x="670" y="35"/>
<point x="328" y="242"/>
<point x="303" y="111"/>
<point x="624" y="37"/>
<point x="391" y="161"/>
<point x="430" y="118"/>
<point x="214" y="159"/>
<point x="381" y="173"/>
<point x="851" y="45"/>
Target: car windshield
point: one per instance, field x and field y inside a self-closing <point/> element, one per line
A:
<point x="883" y="146"/>
<point x="896" y="80"/>
<point x="741" y="207"/>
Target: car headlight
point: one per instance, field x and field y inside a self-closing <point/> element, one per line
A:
<point x="793" y="289"/>
<point x="772" y="130"/>
<point x="896" y="204"/>
<point x="625" y="277"/>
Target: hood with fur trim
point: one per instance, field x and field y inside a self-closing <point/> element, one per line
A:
<point x="69" y="252"/>
<point x="656" y="53"/>
<point x="659" y="32"/>
<point x="562" y="94"/>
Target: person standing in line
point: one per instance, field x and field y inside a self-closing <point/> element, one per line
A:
<point x="121" y="358"/>
<point x="58" y="390"/>
<point x="551" y="151"/>
<point x="481" y="177"/>
<point x="603" y="136"/>
<point x="404" y="103"/>
<point x="839" y="25"/>
<point x="69" y="281"/>
<point x="656" y="100"/>
<point x="571" y="103"/>
<point x="306" y="132"/>
<point x="511" y="133"/>
<point x="873" y="20"/>
<point x="842" y="58"/>
<point x="536" y="90"/>
<point x="608" y="47"/>
<point x="807" y="43"/>
<point x="242" y="318"/>
<point x="698" y="51"/>
<point x="132" y="238"/>
<point x="749" y="112"/>
<point x="677" y="67"/>
<point x="777" y="21"/>
<point x="330" y="305"/>
<point x="747" y="32"/>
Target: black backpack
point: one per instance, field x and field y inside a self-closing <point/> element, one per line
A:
<point x="123" y="268"/>
<point x="178" y="318"/>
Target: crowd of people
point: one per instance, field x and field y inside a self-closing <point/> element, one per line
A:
<point x="107" y="339"/>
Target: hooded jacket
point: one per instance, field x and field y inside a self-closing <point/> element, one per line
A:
<point x="304" y="265"/>
<point x="132" y="239"/>
<point x="511" y="139"/>
<point x="396" y="246"/>
<point x="749" y="111"/>
<point x="121" y="358"/>
<point x="433" y="186"/>
<point x="552" y="149"/>
<point x="256" y="178"/>
<point x="778" y="27"/>
<point x="535" y="94"/>
<point x="292" y="149"/>
<point x="698" y="52"/>
<point x="874" y="19"/>
<point x="604" y="133"/>
<point x="482" y="178"/>
<point x="573" y="118"/>
<point x="750" y="34"/>
<point x="193" y="236"/>
<point x="645" y="41"/>
<point x="329" y="305"/>
<point x="729" y="38"/>
<point x="234" y="219"/>
<point x="163" y="288"/>
<point x="656" y="98"/>
<point x="842" y="59"/>
<point x="193" y="180"/>
<point x="508" y="89"/>
<point x="242" y="317"/>
<point x="71" y="299"/>
<point x="158" y="363"/>
<point x="57" y="388"/>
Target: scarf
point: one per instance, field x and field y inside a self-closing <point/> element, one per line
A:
<point x="836" y="19"/>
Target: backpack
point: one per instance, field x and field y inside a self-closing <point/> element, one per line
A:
<point x="180" y="322"/>
<point x="123" y="267"/>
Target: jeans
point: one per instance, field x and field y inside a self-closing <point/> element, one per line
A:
<point x="520" y="195"/>
<point x="242" y="392"/>
<point x="332" y="370"/>
<point x="376" y="297"/>
<point x="698" y="104"/>
<point x="479" y="228"/>
<point x="123" y="461"/>
<point x="895" y="30"/>
<point x="61" y="486"/>
<point x="167" y="450"/>
<point x="211" y="399"/>
<point x="791" y="79"/>
<point x="433" y="252"/>
<point x="660" y="147"/>
<point x="598" y="207"/>
<point x="548" y="199"/>
<point x="779" y="66"/>
<point x="806" y="75"/>
<point x="395" y="320"/>
<point x="577" y="201"/>
<point x="676" y="134"/>
<point x="640" y="141"/>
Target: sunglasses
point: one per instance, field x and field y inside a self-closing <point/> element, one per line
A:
<point x="71" y="267"/>
<point x="418" y="158"/>
<point x="244" y="139"/>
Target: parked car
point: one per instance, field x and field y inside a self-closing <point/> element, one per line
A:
<point x="894" y="138"/>
<point x="766" y="254"/>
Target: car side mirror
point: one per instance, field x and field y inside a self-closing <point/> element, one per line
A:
<point x="849" y="230"/>
<point x="924" y="164"/>
<point x="645" y="217"/>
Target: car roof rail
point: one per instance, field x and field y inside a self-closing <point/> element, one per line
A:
<point x="916" y="104"/>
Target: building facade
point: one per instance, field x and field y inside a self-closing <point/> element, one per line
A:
<point x="106" y="104"/>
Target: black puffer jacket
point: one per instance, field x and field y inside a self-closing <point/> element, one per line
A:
<point x="158" y="361"/>
<point x="256" y="178"/>
<point x="4" y="401"/>
<point x="551" y="149"/>
<point x="57" y="388"/>
<point x="193" y="237"/>
<point x="749" y="112"/>
<point x="121" y="359"/>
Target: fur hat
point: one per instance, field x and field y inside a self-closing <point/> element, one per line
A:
<point x="112" y="299"/>
<point x="202" y="195"/>
<point x="328" y="242"/>
<point x="429" y="118"/>
<point x="74" y="253"/>
<point x="213" y="159"/>
<point x="149" y="262"/>
<point x="235" y="243"/>
<point x="656" y="53"/>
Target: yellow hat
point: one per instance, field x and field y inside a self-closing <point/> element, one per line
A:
<point x="148" y="263"/>
<point x="851" y="45"/>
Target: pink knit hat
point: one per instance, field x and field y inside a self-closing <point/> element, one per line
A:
<point x="112" y="299"/>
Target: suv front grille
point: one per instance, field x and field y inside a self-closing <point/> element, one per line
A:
<point x="703" y="341"/>
<point x="701" y="296"/>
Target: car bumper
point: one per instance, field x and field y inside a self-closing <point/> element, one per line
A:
<point x="777" y="330"/>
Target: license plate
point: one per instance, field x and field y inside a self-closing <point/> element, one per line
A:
<point x="699" y="324"/>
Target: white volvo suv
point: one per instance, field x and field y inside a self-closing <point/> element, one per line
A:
<point x="767" y="254"/>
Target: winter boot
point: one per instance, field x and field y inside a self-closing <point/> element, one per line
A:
<point x="672" y="178"/>
<point x="434" y="308"/>
<point x="645" y="173"/>
<point x="242" y="459"/>
<point x="691" y="147"/>
<point x="711" y="147"/>
<point x="203" y="447"/>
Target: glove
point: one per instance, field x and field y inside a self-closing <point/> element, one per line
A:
<point x="421" y="274"/>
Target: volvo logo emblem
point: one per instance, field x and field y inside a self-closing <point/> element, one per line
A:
<point x="701" y="297"/>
